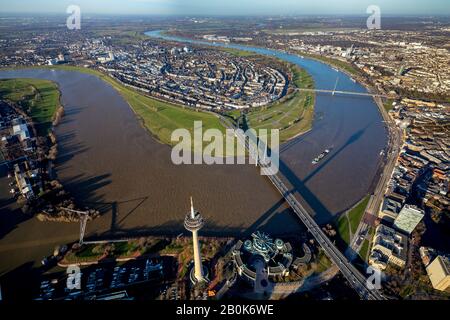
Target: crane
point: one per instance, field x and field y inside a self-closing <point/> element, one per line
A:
<point x="83" y="220"/>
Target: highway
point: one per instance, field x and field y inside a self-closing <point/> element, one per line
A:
<point x="353" y="276"/>
<point x="395" y="144"/>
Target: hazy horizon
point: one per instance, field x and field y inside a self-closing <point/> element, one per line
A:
<point x="229" y="8"/>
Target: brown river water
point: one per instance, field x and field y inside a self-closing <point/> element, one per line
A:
<point x="109" y="161"/>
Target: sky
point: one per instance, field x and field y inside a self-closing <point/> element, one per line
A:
<point x="229" y="7"/>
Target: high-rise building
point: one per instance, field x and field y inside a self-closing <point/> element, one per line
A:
<point x="408" y="219"/>
<point x="439" y="273"/>
<point x="193" y="222"/>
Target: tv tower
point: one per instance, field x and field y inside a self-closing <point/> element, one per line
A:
<point x="194" y="222"/>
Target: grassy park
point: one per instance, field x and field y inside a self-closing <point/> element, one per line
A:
<point x="38" y="98"/>
<point x="348" y="223"/>
<point x="364" y="250"/>
<point x="293" y="114"/>
<point x="343" y="228"/>
<point x="238" y="53"/>
<point x="323" y="262"/>
<point x="388" y="104"/>
<point x="93" y="252"/>
<point x="159" y="117"/>
<point x="181" y="248"/>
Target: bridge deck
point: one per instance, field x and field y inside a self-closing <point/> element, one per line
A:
<point x="354" y="277"/>
<point x="352" y="93"/>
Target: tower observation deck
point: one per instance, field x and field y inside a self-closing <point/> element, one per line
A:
<point x="193" y="222"/>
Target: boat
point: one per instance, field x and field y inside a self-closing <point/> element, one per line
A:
<point x="321" y="156"/>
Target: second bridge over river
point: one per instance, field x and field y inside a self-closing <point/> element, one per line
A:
<point x="352" y="93"/>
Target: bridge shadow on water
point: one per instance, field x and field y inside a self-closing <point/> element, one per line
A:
<point x="355" y="137"/>
<point x="311" y="202"/>
<point x="68" y="148"/>
<point x="317" y="126"/>
<point x="292" y="143"/>
<point x="70" y="111"/>
<point x="85" y="188"/>
<point x="113" y="207"/>
<point x="273" y="215"/>
<point x="274" y="220"/>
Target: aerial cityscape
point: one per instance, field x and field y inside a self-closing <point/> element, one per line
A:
<point x="197" y="150"/>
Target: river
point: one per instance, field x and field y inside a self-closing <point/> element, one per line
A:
<point x="108" y="160"/>
<point x="351" y="125"/>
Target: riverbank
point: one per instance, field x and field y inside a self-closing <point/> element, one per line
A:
<point x="347" y="224"/>
<point x="341" y="65"/>
<point x="293" y="114"/>
<point x="39" y="98"/>
<point x="36" y="104"/>
<point x="160" y="118"/>
<point x="333" y="131"/>
<point x="123" y="250"/>
<point x="383" y="106"/>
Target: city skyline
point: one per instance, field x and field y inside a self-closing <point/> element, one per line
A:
<point x="233" y="7"/>
<point x="313" y="137"/>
